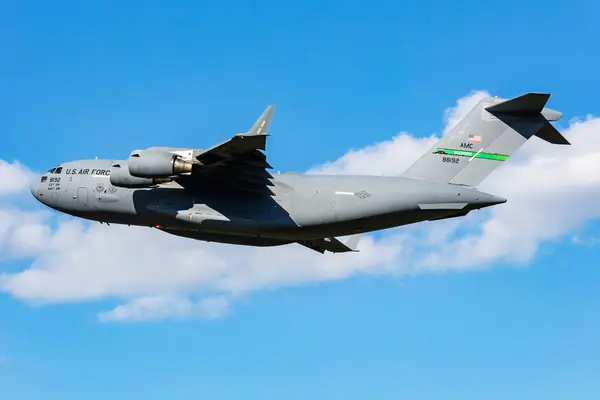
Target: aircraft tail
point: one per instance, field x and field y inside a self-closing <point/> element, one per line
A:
<point x="493" y="130"/>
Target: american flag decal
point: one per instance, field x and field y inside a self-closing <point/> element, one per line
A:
<point x="474" y="138"/>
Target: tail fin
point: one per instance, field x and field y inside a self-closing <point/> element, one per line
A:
<point x="493" y="130"/>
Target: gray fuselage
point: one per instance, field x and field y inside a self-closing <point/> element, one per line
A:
<point x="302" y="207"/>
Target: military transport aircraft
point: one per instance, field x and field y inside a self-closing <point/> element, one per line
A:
<point x="225" y="193"/>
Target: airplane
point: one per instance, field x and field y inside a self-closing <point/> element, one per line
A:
<point x="226" y="194"/>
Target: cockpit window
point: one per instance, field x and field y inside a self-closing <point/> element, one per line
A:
<point x="58" y="170"/>
<point x="44" y="178"/>
<point x="52" y="170"/>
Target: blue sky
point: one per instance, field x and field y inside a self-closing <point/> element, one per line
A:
<point x="515" y="317"/>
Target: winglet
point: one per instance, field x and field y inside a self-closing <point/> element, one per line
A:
<point x="352" y="242"/>
<point x="261" y="125"/>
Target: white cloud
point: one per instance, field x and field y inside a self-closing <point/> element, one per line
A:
<point x="387" y="158"/>
<point x="586" y="241"/>
<point x="22" y="233"/>
<point x="83" y="262"/>
<point x="166" y="307"/>
<point x="551" y="193"/>
<point x="453" y="115"/>
<point x="394" y="156"/>
<point x="15" y="177"/>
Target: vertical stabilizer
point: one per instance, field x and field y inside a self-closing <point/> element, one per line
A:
<point x="492" y="131"/>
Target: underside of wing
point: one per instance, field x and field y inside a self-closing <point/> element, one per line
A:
<point x="238" y="163"/>
<point x="332" y="245"/>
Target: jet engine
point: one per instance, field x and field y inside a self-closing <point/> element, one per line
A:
<point x="157" y="164"/>
<point x="120" y="177"/>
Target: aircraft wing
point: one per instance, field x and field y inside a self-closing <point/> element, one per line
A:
<point x="239" y="161"/>
<point x="332" y="244"/>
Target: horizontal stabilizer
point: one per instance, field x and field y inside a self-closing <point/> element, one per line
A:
<point x="490" y="133"/>
<point x="527" y="104"/>
<point x="551" y="135"/>
<point x="531" y="107"/>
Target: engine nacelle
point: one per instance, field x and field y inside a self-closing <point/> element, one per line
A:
<point x="157" y="164"/>
<point x="120" y="177"/>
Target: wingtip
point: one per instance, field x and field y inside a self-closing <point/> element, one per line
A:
<point x="262" y="123"/>
<point x="352" y="242"/>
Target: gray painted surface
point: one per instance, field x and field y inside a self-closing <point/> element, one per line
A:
<point x="226" y="194"/>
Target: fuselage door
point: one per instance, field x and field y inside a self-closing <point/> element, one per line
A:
<point x="82" y="197"/>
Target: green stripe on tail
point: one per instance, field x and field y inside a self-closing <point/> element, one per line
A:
<point x="472" y="154"/>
